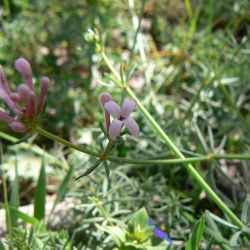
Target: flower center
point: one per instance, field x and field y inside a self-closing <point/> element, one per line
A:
<point x="121" y="118"/>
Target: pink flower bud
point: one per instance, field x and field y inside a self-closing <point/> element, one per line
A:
<point x="28" y="96"/>
<point x="18" y="126"/>
<point x="23" y="92"/>
<point x="23" y="66"/>
<point x="105" y="97"/>
<point x="45" y="81"/>
<point x="44" y="89"/>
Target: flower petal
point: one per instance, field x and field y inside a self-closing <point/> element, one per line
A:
<point x="44" y="85"/>
<point x="28" y="96"/>
<point x="132" y="126"/>
<point x="161" y="234"/>
<point x="105" y="97"/>
<point x="115" y="129"/>
<point x="113" y="108"/>
<point x="13" y="105"/>
<point x="5" y="117"/>
<point x="128" y="106"/>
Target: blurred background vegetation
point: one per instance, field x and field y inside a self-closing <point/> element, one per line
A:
<point x="191" y="63"/>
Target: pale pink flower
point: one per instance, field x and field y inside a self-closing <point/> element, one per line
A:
<point x="106" y="97"/>
<point x="22" y="102"/>
<point x="121" y="117"/>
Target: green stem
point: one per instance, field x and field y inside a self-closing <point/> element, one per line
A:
<point x="65" y="142"/>
<point x="106" y="153"/>
<point x="163" y="161"/>
<point x="159" y="162"/>
<point x="7" y="8"/>
<point x="6" y="203"/>
<point x="106" y="156"/>
<point x="208" y="157"/>
<point x="102" y="210"/>
<point x="198" y="178"/>
<point x="231" y="156"/>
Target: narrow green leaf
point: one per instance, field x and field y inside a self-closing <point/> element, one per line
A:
<point x="234" y="239"/>
<point x="221" y="221"/>
<point x="14" y="201"/>
<point x="89" y="170"/>
<point x="5" y="192"/>
<point x="21" y="215"/>
<point x="2" y="247"/>
<point x="194" y="21"/>
<point x="103" y="129"/>
<point x="122" y="76"/>
<point x="23" y="139"/>
<point x="40" y="193"/>
<point x="196" y="236"/>
<point x="117" y="234"/>
<point x="210" y="244"/>
<point x="131" y="70"/>
<point x="107" y="169"/>
<point x="245" y="215"/>
<point x="189" y="8"/>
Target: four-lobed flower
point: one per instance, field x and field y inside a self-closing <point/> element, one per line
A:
<point x="23" y="102"/>
<point x="122" y="116"/>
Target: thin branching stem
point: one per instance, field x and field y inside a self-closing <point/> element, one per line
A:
<point x="198" y="178"/>
<point x="144" y="161"/>
<point x="208" y="157"/>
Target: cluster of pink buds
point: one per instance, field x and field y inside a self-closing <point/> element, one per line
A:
<point x="23" y="102"/>
<point x="121" y="116"/>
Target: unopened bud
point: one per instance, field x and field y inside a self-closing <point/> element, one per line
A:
<point x="45" y="81"/>
<point x="23" y="66"/>
<point x="105" y="97"/>
<point x="19" y="127"/>
<point x="24" y="92"/>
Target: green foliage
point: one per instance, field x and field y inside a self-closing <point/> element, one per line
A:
<point x="37" y="238"/>
<point x="40" y="193"/>
<point x="15" y="196"/>
<point x="196" y="236"/>
<point x="188" y="62"/>
<point x="137" y="235"/>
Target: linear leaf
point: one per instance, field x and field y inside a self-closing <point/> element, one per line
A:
<point x="196" y="236"/>
<point x="14" y="201"/>
<point x="234" y="239"/>
<point x="2" y="247"/>
<point x="245" y="215"/>
<point x="89" y="170"/>
<point x="40" y="193"/>
<point x="21" y="215"/>
<point x="221" y="221"/>
<point x="210" y="244"/>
